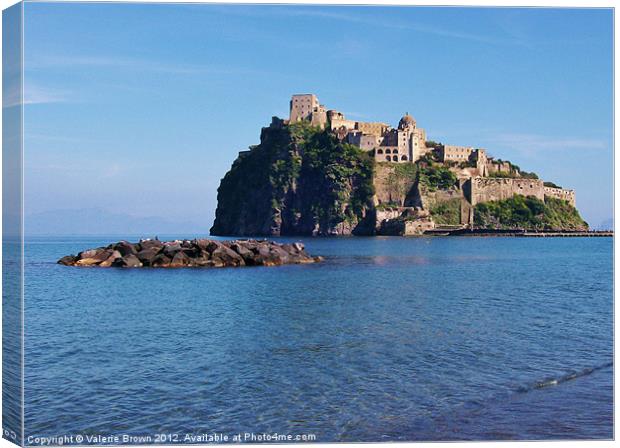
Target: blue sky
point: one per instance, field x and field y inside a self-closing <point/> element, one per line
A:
<point x="140" y="109"/>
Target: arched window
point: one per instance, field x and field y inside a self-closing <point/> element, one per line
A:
<point x="388" y="158"/>
<point x="403" y="158"/>
<point x="387" y="151"/>
<point x="380" y="151"/>
<point x="395" y="151"/>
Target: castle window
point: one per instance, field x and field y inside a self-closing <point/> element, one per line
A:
<point x="403" y="158"/>
<point x="388" y="158"/>
<point x="395" y="151"/>
<point x="380" y="151"/>
<point x="387" y="151"/>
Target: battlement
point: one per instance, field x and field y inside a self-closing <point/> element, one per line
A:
<point x="484" y="189"/>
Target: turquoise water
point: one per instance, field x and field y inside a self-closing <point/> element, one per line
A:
<point x="387" y="339"/>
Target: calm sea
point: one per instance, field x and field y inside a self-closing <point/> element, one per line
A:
<point x="387" y="339"/>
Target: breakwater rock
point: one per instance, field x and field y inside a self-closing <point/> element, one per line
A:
<point x="191" y="253"/>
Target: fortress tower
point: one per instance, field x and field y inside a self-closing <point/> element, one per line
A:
<point x="307" y="107"/>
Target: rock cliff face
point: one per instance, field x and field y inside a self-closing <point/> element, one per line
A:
<point x="397" y="185"/>
<point x="297" y="181"/>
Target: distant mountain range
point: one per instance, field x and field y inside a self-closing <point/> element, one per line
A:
<point x="101" y="222"/>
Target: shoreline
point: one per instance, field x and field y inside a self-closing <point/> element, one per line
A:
<point x="520" y="233"/>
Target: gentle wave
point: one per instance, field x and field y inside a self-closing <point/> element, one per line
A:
<point x="562" y="379"/>
<point x="382" y="342"/>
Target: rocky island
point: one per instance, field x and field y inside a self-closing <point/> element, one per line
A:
<point x="318" y="173"/>
<point x="191" y="253"/>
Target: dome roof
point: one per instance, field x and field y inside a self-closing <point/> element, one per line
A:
<point x="406" y="121"/>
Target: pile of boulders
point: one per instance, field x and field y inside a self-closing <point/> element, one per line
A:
<point x="191" y="253"/>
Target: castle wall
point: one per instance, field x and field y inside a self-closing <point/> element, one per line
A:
<point x="319" y="117"/>
<point x="363" y="141"/>
<point x="339" y="122"/>
<point x="561" y="193"/>
<point x="455" y="153"/>
<point x="372" y="128"/>
<point x="494" y="167"/>
<point x="484" y="189"/>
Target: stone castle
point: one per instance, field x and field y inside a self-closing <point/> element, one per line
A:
<point x="292" y="183"/>
<point x="481" y="177"/>
<point x="405" y="144"/>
